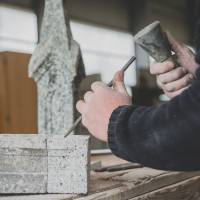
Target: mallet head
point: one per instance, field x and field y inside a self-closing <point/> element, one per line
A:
<point x="154" y="41"/>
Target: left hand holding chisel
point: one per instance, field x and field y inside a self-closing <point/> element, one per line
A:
<point x="100" y="102"/>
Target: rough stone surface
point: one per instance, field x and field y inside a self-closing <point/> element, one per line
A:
<point x="40" y="197"/>
<point x="68" y="164"/>
<point x="48" y="162"/>
<point x="23" y="167"/>
<point x="44" y="164"/>
<point x="23" y="141"/>
<point x="56" y="66"/>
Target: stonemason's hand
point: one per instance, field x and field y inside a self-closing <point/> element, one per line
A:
<point x="172" y="79"/>
<point x="98" y="105"/>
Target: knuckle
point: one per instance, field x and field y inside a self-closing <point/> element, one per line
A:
<point x="167" y="88"/>
<point x="155" y="68"/>
<point x="168" y="65"/>
<point x="89" y="93"/>
<point x="178" y="73"/>
<point x="184" y="82"/>
<point x="185" y="71"/>
<point x="187" y="80"/>
<point x="95" y="84"/>
<point x="162" y="78"/>
<point x="170" y="87"/>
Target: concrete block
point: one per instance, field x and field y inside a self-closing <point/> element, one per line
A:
<point x="23" y="164"/>
<point x="68" y="164"/>
<point x="41" y="164"/>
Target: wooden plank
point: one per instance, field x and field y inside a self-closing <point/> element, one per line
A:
<point x="108" y="160"/>
<point x="185" y="190"/>
<point x="153" y="185"/>
<point x="139" y="181"/>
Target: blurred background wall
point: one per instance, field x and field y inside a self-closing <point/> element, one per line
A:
<point x="105" y="32"/>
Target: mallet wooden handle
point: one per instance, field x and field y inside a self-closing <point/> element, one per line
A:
<point x="110" y="84"/>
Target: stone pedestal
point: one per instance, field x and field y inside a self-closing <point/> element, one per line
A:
<point x="39" y="164"/>
<point x="68" y="164"/>
<point x="23" y="167"/>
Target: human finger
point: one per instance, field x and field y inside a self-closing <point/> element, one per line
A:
<point x="174" y="94"/>
<point x="177" y="47"/>
<point x="97" y="86"/>
<point x="118" y="83"/>
<point x="178" y="84"/>
<point x="172" y="75"/>
<point x="80" y="106"/>
<point x="160" y="68"/>
<point x="88" y="95"/>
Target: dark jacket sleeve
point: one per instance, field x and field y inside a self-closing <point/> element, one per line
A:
<point x="165" y="137"/>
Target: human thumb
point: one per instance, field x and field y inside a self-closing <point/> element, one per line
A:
<point x="176" y="46"/>
<point x="185" y="56"/>
<point x="118" y="83"/>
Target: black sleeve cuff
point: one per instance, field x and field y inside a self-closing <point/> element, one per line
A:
<point x="117" y="117"/>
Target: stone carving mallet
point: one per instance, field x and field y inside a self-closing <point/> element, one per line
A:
<point x="155" y="42"/>
<point x="110" y="84"/>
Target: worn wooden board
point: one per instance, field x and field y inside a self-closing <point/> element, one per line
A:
<point x="136" y="184"/>
<point x="184" y="190"/>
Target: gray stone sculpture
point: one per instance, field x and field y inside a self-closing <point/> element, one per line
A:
<point x="48" y="162"/>
<point x="57" y="68"/>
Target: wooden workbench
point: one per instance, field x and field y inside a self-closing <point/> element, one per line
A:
<point x="135" y="184"/>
